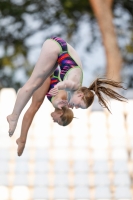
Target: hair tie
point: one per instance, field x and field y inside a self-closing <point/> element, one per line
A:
<point x="93" y="91"/>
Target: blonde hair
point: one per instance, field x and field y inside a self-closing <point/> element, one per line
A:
<point x="98" y="88"/>
<point x="67" y="116"/>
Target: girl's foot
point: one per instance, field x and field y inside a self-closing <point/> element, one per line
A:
<point x="12" y="124"/>
<point x="21" y="146"/>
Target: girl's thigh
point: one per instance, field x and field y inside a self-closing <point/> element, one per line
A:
<point x="46" y="64"/>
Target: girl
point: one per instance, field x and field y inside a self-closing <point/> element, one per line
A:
<point x="62" y="114"/>
<point x="57" y="51"/>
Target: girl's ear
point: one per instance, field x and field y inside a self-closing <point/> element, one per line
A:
<point x="80" y="94"/>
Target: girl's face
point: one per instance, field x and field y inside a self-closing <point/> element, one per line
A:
<point x="56" y="116"/>
<point x="77" y="101"/>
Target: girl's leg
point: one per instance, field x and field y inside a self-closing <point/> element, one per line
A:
<point x="43" y="69"/>
<point x="37" y="100"/>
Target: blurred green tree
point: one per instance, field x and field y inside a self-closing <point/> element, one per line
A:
<point x="105" y="15"/>
<point x="125" y="32"/>
<point x="20" y="20"/>
<point x="103" y="10"/>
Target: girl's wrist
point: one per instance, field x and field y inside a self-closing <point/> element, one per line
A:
<point x="58" y="86"/>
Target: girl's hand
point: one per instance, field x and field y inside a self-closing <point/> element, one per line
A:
<point x="54" y="91"/>
<point x="61" y="103"/>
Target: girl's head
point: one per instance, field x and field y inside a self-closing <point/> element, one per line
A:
<point x="84" y="97"/>
<point x="62" y="116"/>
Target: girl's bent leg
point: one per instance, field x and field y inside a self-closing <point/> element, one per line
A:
<point x="43" y="69"/>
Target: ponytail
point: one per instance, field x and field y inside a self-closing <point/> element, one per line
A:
<point x="97" y="87"/>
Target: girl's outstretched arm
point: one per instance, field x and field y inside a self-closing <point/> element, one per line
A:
<point x="68" y="85"/>
<point x="37" y="100"/>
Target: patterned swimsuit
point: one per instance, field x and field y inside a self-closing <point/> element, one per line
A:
<point x="55" y="78"/>
<point x="66" y="63"/>
<point x="65" y="60"/>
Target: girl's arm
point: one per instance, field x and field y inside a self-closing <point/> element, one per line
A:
<point x="67" y="85"/>
<point x="37" y="100"/>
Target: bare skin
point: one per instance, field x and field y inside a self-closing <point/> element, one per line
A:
<point x="43" y="69"/>
<point x="37" y="100"/>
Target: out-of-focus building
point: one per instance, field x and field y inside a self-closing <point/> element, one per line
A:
<point x="91" y="159"/>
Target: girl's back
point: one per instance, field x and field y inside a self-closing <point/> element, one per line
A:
<point x="76" y="74"/>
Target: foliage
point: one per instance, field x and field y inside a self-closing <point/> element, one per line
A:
<point x="20" y="20"/>
<point x="125" y="33"/>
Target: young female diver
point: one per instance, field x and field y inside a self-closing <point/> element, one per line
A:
<point x="62" y="114"/>
<point x="57" y="51"/>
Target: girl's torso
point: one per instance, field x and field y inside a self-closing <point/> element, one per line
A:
<point x="55" y="78"/>
<point x="62" y="95"/>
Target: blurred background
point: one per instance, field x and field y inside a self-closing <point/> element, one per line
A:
<point x="101" y="32"/>
<point x="92" y="158"/>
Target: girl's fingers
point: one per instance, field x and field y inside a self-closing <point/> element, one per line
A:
<point x="53" y="92"/>
<point x="65" y="101"/>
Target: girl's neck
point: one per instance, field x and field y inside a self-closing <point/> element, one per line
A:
<point x="69" y="95"/>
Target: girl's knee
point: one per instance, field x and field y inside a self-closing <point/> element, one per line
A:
<point x="35" y="83"/>
<point x="30" y="88"/>
<point x="51" y="46"/>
